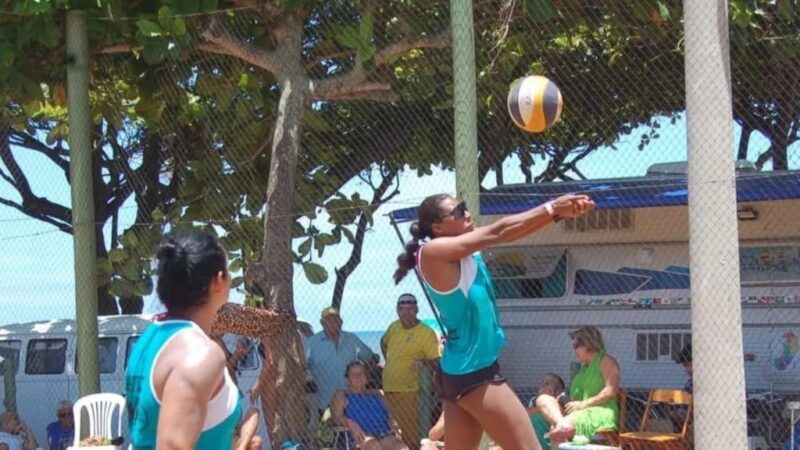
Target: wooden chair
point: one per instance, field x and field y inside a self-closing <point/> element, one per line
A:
<point x="653" y="439"/>
<point x="611" y="437"/>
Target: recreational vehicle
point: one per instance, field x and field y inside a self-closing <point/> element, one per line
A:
<point x="625" y="269"/>
<point x="39" y="364"/>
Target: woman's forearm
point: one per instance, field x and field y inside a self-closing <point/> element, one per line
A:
<point x="605" y="394"/>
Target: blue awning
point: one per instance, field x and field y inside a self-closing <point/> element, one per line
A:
<point x="643" y="192"/>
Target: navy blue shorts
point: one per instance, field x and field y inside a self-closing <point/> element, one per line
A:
<point x="453" y="387"/>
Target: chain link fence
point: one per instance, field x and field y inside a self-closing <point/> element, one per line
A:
<point x="333" y="120"/>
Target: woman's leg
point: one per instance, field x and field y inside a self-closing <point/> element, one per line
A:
<point x="370" y="443"/>
<point x="461" y="430"/>
<point x="498" y="411"/>
<point x="393" y="443"/>
<point x="550" y="409"/>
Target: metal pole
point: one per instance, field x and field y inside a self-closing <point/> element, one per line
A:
<point x="465" y="105"/>
<point x="83" y="229"/>
<point x="719" y="388"/>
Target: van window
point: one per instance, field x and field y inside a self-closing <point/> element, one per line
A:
<point x="46" y="356"/>
<point x="107" y="353"/>
<point x="9" y="352"/>
<point x="129" y="348"/>
<point x="523" y="273"/>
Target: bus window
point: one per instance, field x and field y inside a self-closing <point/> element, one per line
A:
<point x="46" y="356"/>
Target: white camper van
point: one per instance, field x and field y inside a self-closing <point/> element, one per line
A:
<point x="625" y="269"/>
<point x="39" y="363"/>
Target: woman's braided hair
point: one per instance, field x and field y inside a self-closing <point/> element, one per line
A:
<point x="428" y="214"/>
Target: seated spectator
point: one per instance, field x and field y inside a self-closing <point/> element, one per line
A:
<point x="593" y="394"/>
<point x="684" y="358"/>
<point x="364" y="412"/>
<point x="677" y="414"/>
<point x="551" y="385"/>
<point x="15" y="433"/>
<point x="61" y="433"/>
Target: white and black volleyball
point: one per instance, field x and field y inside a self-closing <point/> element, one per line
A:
<point x="534" y="103"/>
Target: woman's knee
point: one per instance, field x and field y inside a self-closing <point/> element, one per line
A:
<point x="371" y="444"/>
<point x="394" y="443"/>
<point x="543" y="400"/>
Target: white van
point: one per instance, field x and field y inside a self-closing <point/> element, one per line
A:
<point x="39" y="362"/>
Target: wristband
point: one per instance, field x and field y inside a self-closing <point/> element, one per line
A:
<point x="551" y="210"/>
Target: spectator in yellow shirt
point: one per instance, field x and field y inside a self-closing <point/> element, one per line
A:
<point x="407" y="346"/>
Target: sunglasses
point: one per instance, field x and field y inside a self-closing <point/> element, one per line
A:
<point x="577" y="344"/>
<point x="459" y="212"/>
<point x="62" y="415"/>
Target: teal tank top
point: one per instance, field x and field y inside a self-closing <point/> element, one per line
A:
<point x="224" y="409"/>
<point x="469" y="315"/>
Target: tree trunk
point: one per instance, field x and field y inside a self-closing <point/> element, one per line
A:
<point x="286" y="414"/>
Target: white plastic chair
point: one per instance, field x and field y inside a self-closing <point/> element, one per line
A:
<point x="101" y="408"/>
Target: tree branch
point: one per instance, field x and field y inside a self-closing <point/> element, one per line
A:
<point x="32" y="205"/>
<point x="27" y="141"/>
<point x="219" y="41"/>
<point x="119" y="48"/>
<point x="65" y="227"/>
<point x="353" y="85"/>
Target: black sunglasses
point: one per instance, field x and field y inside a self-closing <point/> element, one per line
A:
<point x="577" y="344"/>
<point x="61" y="415"/>
<point x="459" y="212"/>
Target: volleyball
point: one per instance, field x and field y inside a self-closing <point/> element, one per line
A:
<point x="534" y="103"/>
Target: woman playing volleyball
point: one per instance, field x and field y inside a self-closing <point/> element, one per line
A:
<point x="178" y="390"/>
<point x="443" y="249"/>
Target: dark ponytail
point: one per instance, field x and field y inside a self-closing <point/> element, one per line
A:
<point x="427" y="215"/>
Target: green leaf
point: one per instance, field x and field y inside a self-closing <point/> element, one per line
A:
<point x="235" y="265"/>
<point x="297" y="230"/>
<point x="305" y="247"/>
<point x="149" y="28"/>
<point x="539" y="10"/>
<point x="104" y="268"/>
<point x="349" y="235"/>
<point x="315" y="273"/>
<point x="117" y="255"/>
<point x="122" y="288"/>
<point x="237" y="281"/>
<point x="663" y="10"/>
<point x="164" y="15"/>
<point x="179" y="27"/>
<point x="129" y="239"/>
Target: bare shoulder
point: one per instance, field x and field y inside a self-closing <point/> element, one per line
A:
<point x="195" y="351"/>
<point x="609" y="361"/>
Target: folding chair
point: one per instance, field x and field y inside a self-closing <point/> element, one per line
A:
<point x="662" y="440"/>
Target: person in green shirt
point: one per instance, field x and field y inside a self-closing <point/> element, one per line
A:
<point x="592" y="404"/>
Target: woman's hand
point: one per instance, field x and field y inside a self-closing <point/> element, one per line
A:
<point x="572" y="206"/>
<point x="396" y="429"/>
<point x="571" y="407"/>
<point x="356" y="431"/>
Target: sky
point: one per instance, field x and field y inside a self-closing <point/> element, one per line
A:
<point x="37" y="259"/>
